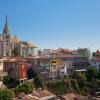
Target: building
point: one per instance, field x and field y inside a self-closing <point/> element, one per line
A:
<point x="56" y="65"/>
<point x="2" y="72"/>
<point x="46" y="66"/>
<point x="96" y="54"/>
<point x="84" y="52"/>
<point x="67" y="51"/>
<point x="80" y="62"/>
<point x="16" y="67"/>
<point x="28" y="49"/>
<point x="71" y="63"/>
<point x="66" y="65"/>
<point x="8" y="43"/>
<point x="95" y="62"/>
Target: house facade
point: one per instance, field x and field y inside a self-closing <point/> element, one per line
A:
<point x="95" y="62"/>
<point x="16" y="67"/>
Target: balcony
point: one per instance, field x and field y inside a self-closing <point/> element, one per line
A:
<point x="3" y="74"/>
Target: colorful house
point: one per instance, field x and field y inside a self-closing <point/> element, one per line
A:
<point x="16" y="67"/>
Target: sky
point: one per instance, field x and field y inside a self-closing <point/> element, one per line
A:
<point x="54" y="23"/>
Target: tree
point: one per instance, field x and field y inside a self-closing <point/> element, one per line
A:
<point x="58" y="87"/>
<point x="91" y="73"/>
<point x="75" y="85"/>
<point x="98" y="75"/>
<point x="31" y="73"/>
<point x="6" y="94"/>
<point x="6" y="79"/>
<point x="81" y="79"/>
<point x="26" y="87"/>
<point x="39" y="82"/>
<point x="15" y="52"/>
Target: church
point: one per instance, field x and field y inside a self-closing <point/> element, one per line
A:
<point x="9" y="43"/>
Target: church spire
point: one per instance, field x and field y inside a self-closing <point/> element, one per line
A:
<point x="6" y="30"/>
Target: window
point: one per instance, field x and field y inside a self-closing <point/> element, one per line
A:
<point x="7" y="41"/>
<point x="13" y="65"/>
<point x="23" y="74"/>
<point x="7" y="54"/>
<point x="22" y="66"/>
<point x="69" y="59"/>
<point x="53" y="61"/>
<point x="21" y="81"/>
<point x="0" y="63"/>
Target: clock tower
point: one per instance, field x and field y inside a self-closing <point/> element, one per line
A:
<point x="6" y="40"/>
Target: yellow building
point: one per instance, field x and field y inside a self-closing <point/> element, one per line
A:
<point x="55" y="61"/>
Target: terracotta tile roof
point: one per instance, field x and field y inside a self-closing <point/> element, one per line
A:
<point x="38" y="95"/>
<point x="96" y="59"/>
<point x="70" y="55"/>
<point x="69" y="96"/>
<point x="14" y="59"/>
<point x="43" y="94"/>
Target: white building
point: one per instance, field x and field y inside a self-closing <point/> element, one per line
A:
<point x="2" y="73"/>
<point x="9" y="43"/>
<point x="95" y="62"/>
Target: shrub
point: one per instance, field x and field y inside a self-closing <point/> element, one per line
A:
<point x="6" y="79"/>
<point x="31" y="73"/>
<point x="26" y="87"/>
<point x="83" y="92"/>
<point x="39" y="82"/>
<point x="74" y="85"/>
<point x="6" y="94"/>
<point x="58" y="88"/>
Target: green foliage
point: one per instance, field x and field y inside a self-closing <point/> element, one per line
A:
<point x="91" y="73"/>
<point x="98" y="76"/>
<point x="58" y="88"/>
<point x="81" y="79"/>
<point x="74" y="85"/>
<point x="69" y="86"/>
<point x="85" y="91"/>
<point x="15" y="52"/>
<point x="80" y="76"/>
<point x="98" y="83"/>
<point x="83" y="76"/>
<point x="31" y="73"/>
<point x="39" y="82"/>
<point x="6" y="94"/>
<point x="6" y="79"/>
<point x="26" y="87"/>
<point x="65" y="76"/>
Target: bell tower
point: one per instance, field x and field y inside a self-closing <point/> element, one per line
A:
<point x="6" y="40"/>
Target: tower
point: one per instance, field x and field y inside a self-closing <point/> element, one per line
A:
<point x="6" y="30"/>
<point x="6" y="40"/>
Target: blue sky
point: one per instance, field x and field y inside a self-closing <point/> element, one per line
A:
<point x="54" y="23"/>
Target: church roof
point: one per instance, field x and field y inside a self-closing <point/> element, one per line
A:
<point x="15" y="39"/>
<point x="6" y="30"/>
<point x="28" y="45"/>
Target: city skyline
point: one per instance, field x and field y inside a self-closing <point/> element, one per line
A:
<point x="54" y="24"/>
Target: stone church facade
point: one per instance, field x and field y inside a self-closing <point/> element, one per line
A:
<point x="8" y="43"/>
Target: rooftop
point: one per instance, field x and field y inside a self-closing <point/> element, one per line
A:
<point x="14" y="59"/>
